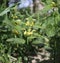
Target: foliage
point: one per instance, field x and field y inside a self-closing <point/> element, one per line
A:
<point x="19" y="31"/>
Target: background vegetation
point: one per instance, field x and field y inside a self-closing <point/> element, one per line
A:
<point x="22" y="34"/>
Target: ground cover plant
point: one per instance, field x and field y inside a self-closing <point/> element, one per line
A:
<point x="23" y="34"/>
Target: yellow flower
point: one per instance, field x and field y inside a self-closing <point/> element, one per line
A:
<point x="27" y="23"/>
<point x="32" y="23"/>
<point x="14" y="16"/>
<point x="15" y="31"/>
<point x="25" y="32"/>
<point x="29" y="33"/>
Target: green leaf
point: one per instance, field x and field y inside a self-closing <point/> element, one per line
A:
<point x="5" y="11"/>
<point x="37" y="25"/>
<point x="50" y="31"/>
<point x="38" y="41"/>
<point x="16" y="40"/>
<point x="1" y="59"/>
